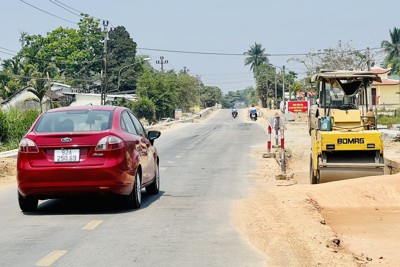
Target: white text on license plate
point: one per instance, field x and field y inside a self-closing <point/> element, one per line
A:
<point x="66" y="155"/>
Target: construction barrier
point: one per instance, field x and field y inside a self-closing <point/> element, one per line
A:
<point x="269" y="139"/>
<point x="283" y="164"/>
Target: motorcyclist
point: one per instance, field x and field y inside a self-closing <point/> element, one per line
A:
<point x="234" y="112"/>
<point x="253" y="110"/>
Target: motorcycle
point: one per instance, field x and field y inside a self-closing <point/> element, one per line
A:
<point x="234" y="114"/>
<point x="253" y="116"/>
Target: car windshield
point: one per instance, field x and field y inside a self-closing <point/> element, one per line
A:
<point x="74" y="121"/>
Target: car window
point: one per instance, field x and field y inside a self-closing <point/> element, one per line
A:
<point x="75" y="121"/>
<point x="139" y="127"/>
<point x="127" y="123"/>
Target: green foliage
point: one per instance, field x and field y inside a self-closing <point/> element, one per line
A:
<point x="296" y="87"/>
<point x="255" y="56"/>
<point x="63" y="53"/>
<point x="3" y="126"/>
<point x="388" y="119"/>
<point x="265" y="80"/>
<point x="40" y="86"/>
<point x="14" y="124"/>
<point x="121" y="61"/>
<point x="144" y="108"/>
<point x="210" y="95"/>
<point x="239" y="99"/>
<point x="160" y="88"/>
<point x="188" y="90"/>
<point x="392" y="50"/>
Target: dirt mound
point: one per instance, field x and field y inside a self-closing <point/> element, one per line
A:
<point x="344" y="223"/>
<point x="8" y="167"/>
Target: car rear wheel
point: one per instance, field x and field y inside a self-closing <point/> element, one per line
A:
<point x="27" y="203"/>
<point x="154" y="187"/>
<point x="134" y="199"/>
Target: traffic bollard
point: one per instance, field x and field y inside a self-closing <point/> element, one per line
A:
<point x="269" y="139"/>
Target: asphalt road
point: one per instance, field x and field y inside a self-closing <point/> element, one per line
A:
<point x="204" y="168"/>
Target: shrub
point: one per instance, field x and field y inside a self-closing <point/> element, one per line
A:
<point x="14" y="125"/>
<point x="144" y="108"/>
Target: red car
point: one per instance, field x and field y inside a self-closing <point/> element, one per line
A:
<point x="89" y="149"/>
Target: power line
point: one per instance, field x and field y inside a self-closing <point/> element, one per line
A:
<point x="211" y="82"/>
<point x="54" y="2"/>
<point x="8" y="50"/>
<point x="7" y="53"/>
<point x="80" y="12"/>
<point x="67" y="6"/>
<point x="244" y="54"/>
<point x="44" y="11"/>
<point x="38" y="78"/>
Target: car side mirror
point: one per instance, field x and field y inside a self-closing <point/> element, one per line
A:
<point x="153" y="135"/>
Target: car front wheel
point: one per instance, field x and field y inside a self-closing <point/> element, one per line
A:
<point x="27" y="203"/>
<point x="154" y="187"/>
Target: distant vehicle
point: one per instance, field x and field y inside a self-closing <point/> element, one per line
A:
<point x="253" y="113"/>
<point x="253" y="116"/>
<point x="234" y="113"/>
<point x="83" y="150"/>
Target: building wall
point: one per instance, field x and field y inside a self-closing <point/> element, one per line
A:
<point x="20" y="101"/>
<point x="388" y="96"/>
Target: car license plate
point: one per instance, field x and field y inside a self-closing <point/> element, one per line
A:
<point x="66" y="155"/>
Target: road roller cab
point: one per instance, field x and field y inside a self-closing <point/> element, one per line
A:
<point x="344" y="142"/>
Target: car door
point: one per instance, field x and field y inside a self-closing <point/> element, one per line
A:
<point x="150" y="151"/>
<point x="141" y="145"/>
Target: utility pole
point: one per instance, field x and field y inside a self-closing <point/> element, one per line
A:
<point x="185" y="70"/>
<point x="276" y="88"/>
<point x="283" y="87"/>
<point x="104" y="65"/>
<point x="368" y="60"/>
<point x="162" y="62"/>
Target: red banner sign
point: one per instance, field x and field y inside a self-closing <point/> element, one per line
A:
<point x="297" y="106"/>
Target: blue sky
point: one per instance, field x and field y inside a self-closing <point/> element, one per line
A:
<point x="283" y="27"/>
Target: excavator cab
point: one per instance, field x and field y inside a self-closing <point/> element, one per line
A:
<point x="343" y="144"/>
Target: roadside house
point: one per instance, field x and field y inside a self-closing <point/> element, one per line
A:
<point x="20" y="99"/>
<point x="387" y="93"/>
<point x="83" y="99"/>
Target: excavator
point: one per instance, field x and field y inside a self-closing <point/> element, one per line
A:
<point x="345" y="142"/>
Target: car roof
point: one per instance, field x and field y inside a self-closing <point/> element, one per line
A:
<point x="88" y="107"/>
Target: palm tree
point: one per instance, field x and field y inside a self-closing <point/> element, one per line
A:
<point x="40" y="88"/>
<point x="392" y="49"/>
<point x="256" y="56"/>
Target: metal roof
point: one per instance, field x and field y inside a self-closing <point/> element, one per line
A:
<point x="345" y="75"/>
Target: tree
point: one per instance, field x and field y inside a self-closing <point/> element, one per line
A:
<point x="144" y="108"/>
<point x="296" y="87"/>
<point x="392" y="50"/>
<point x="40" y="87"/>
<point x="121" y="62"/>
<point x="188" y="89"/>
<point x="239" y="99"/>
<point x="255" y="56"/>
<point x="74" y="54"/>
<point x="160" y="88"/>
<point x="342" y="57"/>
<point x="210" y="95"/>
<point x="265" y="80"/>
<point x="291" y="77"/>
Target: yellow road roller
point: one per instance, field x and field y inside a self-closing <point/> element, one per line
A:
<point x="345" y="142"/>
